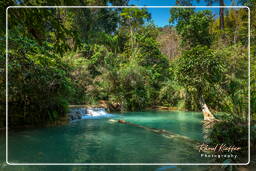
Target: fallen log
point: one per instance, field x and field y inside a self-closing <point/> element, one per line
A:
<point x="163" y="132"/>
<point x="190" y="142"/>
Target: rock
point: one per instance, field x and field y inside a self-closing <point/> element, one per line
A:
<point x="121" y="121"/>
<point x="76" y="113"/>
<point x="112" y="120"/>
<point x="79" y="116"/>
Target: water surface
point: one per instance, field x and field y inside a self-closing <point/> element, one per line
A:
<point x="101" y="141"/>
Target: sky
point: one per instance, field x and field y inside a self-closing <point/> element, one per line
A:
<point x="161" y="16"/>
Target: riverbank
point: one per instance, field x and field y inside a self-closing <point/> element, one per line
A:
<point x="61" y="121"/>
<point x="165" y="108"/>
<point x="106" y="105"/>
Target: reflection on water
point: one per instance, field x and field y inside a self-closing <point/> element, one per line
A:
<point x="100" y="141"/>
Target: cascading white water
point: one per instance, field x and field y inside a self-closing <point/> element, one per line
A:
<point x="90" y="113"/>
<point x="96" y="111"/>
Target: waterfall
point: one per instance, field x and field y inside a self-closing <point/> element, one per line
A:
<point x="96" y="111"/>
<point x="87" y="113"/>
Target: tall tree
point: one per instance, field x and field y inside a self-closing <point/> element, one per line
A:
<point x="221" y="10"/>
<point x="209" y="2"/>
<point x="198" y="68"/>
<point x="132" y="19"/>
<point x="199" y="71"/>
<point x="192" y="26"/>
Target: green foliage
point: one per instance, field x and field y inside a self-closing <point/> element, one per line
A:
<point x="199" y="67"/>
<point x="218" y="72"/>
<point x="172" y="94"/>
<point x="236" y="27"/>
<point x="199" y="70"/>
<point x="53" y="30"/>
<point x="38" y="83"/>
<point x="251" y="4"/>
<point x="192" y="26"/>
<point x="79" y="75"/>
<point x="2" y="85"/>
<point x="232" y="131"/>
<point x="134" y="17"/>
<point x="151" y="58"/>
<point x="81" y="56"/>
<point x="253" y="85"/>
<point x="134" y="86"/>
<point x="235" y="79"/>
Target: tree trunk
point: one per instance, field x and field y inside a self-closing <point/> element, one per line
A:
<point x="161" y="131"/>
<point x="221" y="15"/>
<point x="208" y="116"/>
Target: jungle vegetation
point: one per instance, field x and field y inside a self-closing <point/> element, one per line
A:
<point x="58" y="57"/>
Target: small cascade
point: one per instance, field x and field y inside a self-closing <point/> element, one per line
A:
<point x="87" y="113"/>
<point x="96" y="111"/>
<point x="76" y="113"/>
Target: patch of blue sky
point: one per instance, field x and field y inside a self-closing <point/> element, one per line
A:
<point x="160" y="16"/>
